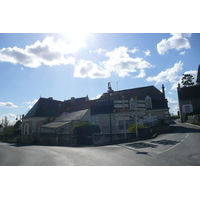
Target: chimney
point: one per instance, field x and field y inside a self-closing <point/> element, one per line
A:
<point x="72" y="100"/>
<point x="163" y="89"/>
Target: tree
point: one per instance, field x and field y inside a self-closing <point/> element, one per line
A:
<point x="187" y="80"/>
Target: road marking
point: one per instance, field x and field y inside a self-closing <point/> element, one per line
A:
<point x="186" y="135"/>
<point x="169" y="148"/>
<point x="173" y="146"/>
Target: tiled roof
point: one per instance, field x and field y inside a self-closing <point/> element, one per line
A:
<point x="141" y="93"/>
<point x="55" y="124"/>
<point x="157" y="97"/>
<point x="48" y="107"/>
<point x="66" y="118"/>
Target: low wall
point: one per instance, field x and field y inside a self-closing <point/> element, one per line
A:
<point x="57" y="139"/>
<point x="147" y="132"/>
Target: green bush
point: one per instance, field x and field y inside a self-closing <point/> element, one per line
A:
<point x="132" y="128"/>
<point x="87" y="127"/>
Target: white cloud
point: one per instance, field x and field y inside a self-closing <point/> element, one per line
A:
<point x="8" y="105"/>
<point x="182" y="53"/>
<point x="141" y="74"/>
<point x="31" y="102"/>
<point x="171" y="101"/>
<point x="177" y="41"/>
<point x="86" y="68"/>
<point x="122" y="64"/>
<point x="10" y="117"/>
<point x="100" y="51"/>
<point x="46" y="52"/>
<point x="173" y="105"/>
<point x="133" y="50"/>
<point x="97" y="97"/>
<point x="169" y="75"/>
<point x="147" y="52"/>
<point x="170" y="92"/>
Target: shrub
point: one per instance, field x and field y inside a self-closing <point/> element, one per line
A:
<point x="87" y="127"/>
<point x="132" y="128"/>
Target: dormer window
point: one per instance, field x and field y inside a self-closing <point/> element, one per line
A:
<point x="148" y="102"/>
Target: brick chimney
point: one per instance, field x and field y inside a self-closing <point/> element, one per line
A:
<point x="163" y="89"/>
<point x="72" y="100"/>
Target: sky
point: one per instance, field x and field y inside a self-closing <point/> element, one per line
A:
<point x="77" y="64"/>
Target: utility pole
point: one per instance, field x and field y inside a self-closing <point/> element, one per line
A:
<point x="109" y="93"/>
<point x="117" y="85"/>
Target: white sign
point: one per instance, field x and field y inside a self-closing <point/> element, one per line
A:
<point x="121" y="101"/>
<point x="121" y="118"/>
<point x="122" y="115"/>
<point x="141" y="105"/>
<point x="139" y="113"/>
<point x="121" y="106"/>
<point x="140" y="101"/>
<point x="139" y="109"/>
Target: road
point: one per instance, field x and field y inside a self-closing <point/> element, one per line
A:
<point x="180" y="148"/>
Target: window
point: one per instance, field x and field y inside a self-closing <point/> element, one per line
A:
<point x="187" y="108"/>
<point x="26" y="129"/>
<point x="148" y="102"/>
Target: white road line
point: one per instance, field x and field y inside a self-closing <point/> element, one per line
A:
<point x="173" y="146"/>
<point x="169" y="148"/>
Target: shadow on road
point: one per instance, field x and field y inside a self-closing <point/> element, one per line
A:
<point x="140" y="145"/>
<point x="166" y="142"/>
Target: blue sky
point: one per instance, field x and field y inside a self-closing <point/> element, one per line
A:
<point x="79" y="64"/>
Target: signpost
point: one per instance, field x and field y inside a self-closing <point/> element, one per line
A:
<point x="121" y="110"/>
<point x="121" y="101"/>
<point x="138" y="107"/>
<point x="121" y="118"/>
<point x="122" y="107"/>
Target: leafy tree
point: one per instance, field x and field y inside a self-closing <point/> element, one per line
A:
<point x="17" y="128"/>
<point x="187" y="80"/>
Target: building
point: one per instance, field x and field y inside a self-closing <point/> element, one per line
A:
<point x="46" y="110"/>
<point x="189" y="99"/>
<point x="116" y="120"/>
<point x="60" y="131"/>
<point x="1" y="129"/>
<point x="53" y="120"/>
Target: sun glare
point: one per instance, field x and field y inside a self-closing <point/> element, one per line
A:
<point x="75" y="36"/>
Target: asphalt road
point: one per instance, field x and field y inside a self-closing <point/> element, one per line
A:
<point x="180" y="148"/>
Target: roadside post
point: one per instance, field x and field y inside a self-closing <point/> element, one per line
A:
<point x="137" y="108"/>
<point x="122" y="108"/>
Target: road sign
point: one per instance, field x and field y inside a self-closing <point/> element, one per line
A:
<point x="141" y="105"/>
<point x="123" y="115"/>
<point x="140" y="101"/>
<point x="121" y="118"/>
<point x="140" y="109"/>
<point x="139" y="113"/>
<point x="121" y="101"/>
<point x="121" y="110"/>
<point x="121" y="106"/>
